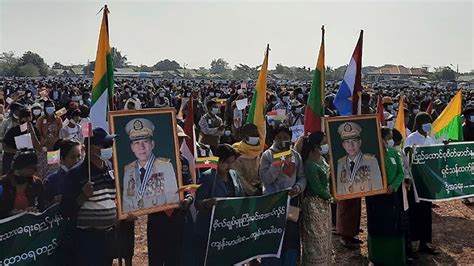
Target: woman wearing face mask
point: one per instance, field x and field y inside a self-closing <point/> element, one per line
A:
<point x="420" y="212"/>
<point x="135" y="100"/>
<point x="49" y="126"/>
<point x="73" y="130"/>
<point x="227" y="138"/>
<point x="36" y="111"/>
<point x="296" y="117"/>
<point x="316" y="210"/>
<point x="386" y="240"/>
<point x="70" y="156"/>
<point x="248" y="163"/>
<point x="219" y="183"/>
<point x="20" y="189"/>
<point x="287" y="175"/>
<point x="12" y="120"/>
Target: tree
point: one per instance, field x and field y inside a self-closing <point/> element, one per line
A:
<point x="36" y="60"/>
<point x="8" y="64"/>
<point x="444" y="73"/>
<point x="118" y="59"/>
<point x="242" y="72"/>
<point x="166" y="65"/>
<point x="143" y="68"/>
<point x="28" y="70"/>
<point x="57" y="65"/>
<point x="202" y="73"/>
<point x="219" y="66"/>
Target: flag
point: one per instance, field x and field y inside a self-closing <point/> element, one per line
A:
<point x="314" y="110"/>
<point x="278" y="158"/>
<point x="429" y="109"/>
<point x="207" y="162"/>
<point x="53" y="157"/>
<point x="86" y="130"/>
<point x="400" y="120"/>
<point x="188" y="148"/>
<point x="103" y="82"/>
<point x="256" y="113"/>
<point x="449" y="123"/>
<point x="189" y="188"/>
<point x="61" y="112"/>
<point x="347" y="100"/>
<point x="380" y="111"/>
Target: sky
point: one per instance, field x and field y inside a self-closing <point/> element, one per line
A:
<point x="409" y="33"/>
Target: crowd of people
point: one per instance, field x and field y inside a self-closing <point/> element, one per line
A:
<point x="29" y="183"/>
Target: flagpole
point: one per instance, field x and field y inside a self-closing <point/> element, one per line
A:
<point x="89" y="151"/>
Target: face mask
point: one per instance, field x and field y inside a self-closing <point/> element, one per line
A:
<point x="298" y="110"/>
<point x="390" y="107"/>
<point x="274" y="102"/>
<point x="49" y="110"/>
<point x="471" y="118"/>
<point x="36" y="112"/>
<point x="211" y="94"/>
<point x="324" y="149"/>
<point x="416" y="111"/>
<point x="227" y="132"/>
<point x="135" y="96"/>
<point x="240" y="91"/>
<point x="252" y="141"/>
<point x="390" y="124"/>
<point x="426" y="127"/>
<point x="215" y="110"/>
<point x="72" y="121"/>
<point x="28" y="95"/>
<point x="285" y="145"/>
<point x="390" y="143"/>
<point x="162" y="95"/>
<point x="218" y="94"/>
<point x="106" y="154"/>
<point x="286" y="98"/>
<point x="188" y="94"/>
<point x="300" y="96"/>
<point x="21" y="179"/>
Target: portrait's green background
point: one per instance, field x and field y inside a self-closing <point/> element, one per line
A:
<point x="368" y="135"/>
<point x="163" y="137"/>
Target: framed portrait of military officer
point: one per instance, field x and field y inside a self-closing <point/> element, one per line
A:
<point x="146" y="160"/>
<point x="356" y="156"/>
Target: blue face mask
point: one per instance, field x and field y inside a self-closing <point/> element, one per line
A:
<point x="50" y="110"/>
<point x="426" y="127"/>
<point x="106" y="154"/>
<point x="471" y="118"/>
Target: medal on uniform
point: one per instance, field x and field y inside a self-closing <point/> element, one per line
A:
<point x="141" y="204"/>
<point x="350" y="188"/>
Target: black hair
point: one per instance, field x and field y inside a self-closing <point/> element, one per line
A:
<point x="24" y="158"/>
<point x="420" y="119"/>
<point x="71" y="113"/>
<point x="310" y="142"/>
<point x="210" y="104"/>
<point x="397" y="136"/>
<point x="225" y="151"/>
<point x="84" y="111"/>
<point x="385" y="131"/>
<point x="65" y="146"/>
<point x="24" y="112"/>
<point x="281" y="128"/>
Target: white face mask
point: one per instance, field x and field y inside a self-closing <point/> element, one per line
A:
<point x="106" y="154"/>
<point x="215" y="111"/>
<point x="162" y="94"/>
<point x="416" y="111"/>
<point x="36" y="112"/>
<point x="218" y="95"/>
<point x="300" y="96"/>
<point x="298" y="110"/>
<point x="390" y="143"/>
<point x="286" y="98"/>
<point x="211" y="94"/>
<point x="227" y="132"/>
<point x="324" y="148"/>
<point x="188" y="94"/>
<point x="253" y="141"/>
<point x="390" y="124"/>
<point x="471" y="118"/>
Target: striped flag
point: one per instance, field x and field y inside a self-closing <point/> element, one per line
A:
<point x="314" y="110"/>
<point x="207" y="162"/>
<point x="347" y="100"/>
<point x="400" y="120"/>
<point x="188" y="148"/>
<point x="86" y="130"/>
<point x="256" y="114"/>
<point x="278" y="158"/>
<point x="103" y="82"/>
<point x="380" y="111"/>
<point x="449" y="123"/>
<point x="53" y="157"/>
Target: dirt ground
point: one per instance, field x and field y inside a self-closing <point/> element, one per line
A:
<point x="453" y="235"/>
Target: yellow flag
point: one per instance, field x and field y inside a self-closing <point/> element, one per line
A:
<point x="400" y="121"/>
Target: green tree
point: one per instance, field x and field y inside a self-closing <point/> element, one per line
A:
<point x="28" y="70"/>
<point x="8" y="64"/>
<point x="242" y="72"/>
<point x="219" y="66"/>
<point x="202" y="73"/>
<point x="166" y="65"/>
<point x="143" y="68"/>
<point x="57" y="65"/>
<point x="444" y="73"/>
<point x="36" y="60"/>
<point x="118" y="59"/>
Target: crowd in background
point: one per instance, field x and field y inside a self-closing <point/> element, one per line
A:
<point x="30" y="183"/>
